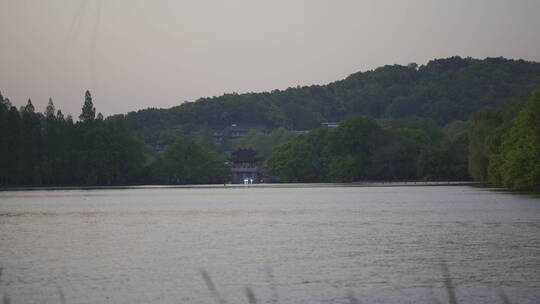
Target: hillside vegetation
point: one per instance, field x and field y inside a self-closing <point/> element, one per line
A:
<point x="443" y="90"/>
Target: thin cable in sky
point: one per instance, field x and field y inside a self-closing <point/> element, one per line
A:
<point x="75" y="27"/>
<point x="94" y="42"/>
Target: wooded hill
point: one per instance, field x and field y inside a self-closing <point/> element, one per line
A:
<point x="443" y="90"/>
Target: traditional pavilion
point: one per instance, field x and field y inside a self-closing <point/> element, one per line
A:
<point x="244" y="169"/>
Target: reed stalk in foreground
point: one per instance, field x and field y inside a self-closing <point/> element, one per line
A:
<point x="212" y="287"/>
<point x="503" y="297"/>
<point x="252" y="299"/>
<point x="271" y="281"/>
<point x="352" y="298"/>
<point x="447" y="279"/>
<point x="61" y="295"/>
<point x="250" y="296"/>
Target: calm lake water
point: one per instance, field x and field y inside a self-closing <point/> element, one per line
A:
<point x="299" y="244"/>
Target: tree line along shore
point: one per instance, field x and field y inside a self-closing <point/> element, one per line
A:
<point x="481" y="132"/>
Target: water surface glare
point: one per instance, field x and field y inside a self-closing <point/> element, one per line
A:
<point x="302" y="245"/>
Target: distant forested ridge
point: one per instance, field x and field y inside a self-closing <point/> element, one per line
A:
<point x="443" y="90"/>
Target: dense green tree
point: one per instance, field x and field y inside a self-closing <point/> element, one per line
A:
<point x="294" y="161"/>
<point x="12" y="146"/>
<point x="447" y="161"/>
<point x="394" y="157"/>
<point x="264" y="143"/>
<point x="9" y="128"/>
<point x="483" y="125"/>
<point x="346" y="168"/>
<point x="50" y="145"/>
<point x="354" y="135"/>
<point x="64" y="146"/>
<point x="185" y="162"/>
<point x="350" y="146"/>
<point x="206" y="139"/>
<point x="517" y="165"/>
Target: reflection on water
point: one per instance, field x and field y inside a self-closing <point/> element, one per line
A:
<point x="303" y="245"/>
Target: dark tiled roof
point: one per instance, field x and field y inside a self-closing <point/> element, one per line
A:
<point x="244" y="156"/>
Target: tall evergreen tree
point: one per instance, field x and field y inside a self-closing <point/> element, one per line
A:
<point x="4" y="110"/>
<point x="31" y="145"/>
<point x="10" y="147"/>
<point x="88" y="110"/>
<point x="49" y="111"/>
<point x="59" y="115"/>
<point x="29" y="108"/>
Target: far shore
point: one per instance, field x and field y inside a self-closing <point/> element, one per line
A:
<point x="261" y="185"/>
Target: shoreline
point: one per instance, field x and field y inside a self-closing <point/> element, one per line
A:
<point x="262" y="185"/>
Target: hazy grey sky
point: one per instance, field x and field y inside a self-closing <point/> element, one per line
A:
<point x="134" y="54"/>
